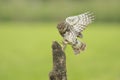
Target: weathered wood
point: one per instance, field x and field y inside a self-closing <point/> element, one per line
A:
<point x="59" y="63"/>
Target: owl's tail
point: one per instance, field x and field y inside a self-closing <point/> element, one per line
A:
<point x="79" y="46"/>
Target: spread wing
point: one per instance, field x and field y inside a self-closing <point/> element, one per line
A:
<point x="81" y="21"/>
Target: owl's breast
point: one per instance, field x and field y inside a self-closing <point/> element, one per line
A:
<point x="70" y="37"/>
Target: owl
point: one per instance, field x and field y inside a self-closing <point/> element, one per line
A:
<point x="71" y="29"/>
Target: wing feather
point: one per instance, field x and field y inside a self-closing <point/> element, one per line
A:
<point x="81" y="21"/>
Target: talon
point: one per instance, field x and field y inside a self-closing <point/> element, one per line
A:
<point x="64" y="44"/>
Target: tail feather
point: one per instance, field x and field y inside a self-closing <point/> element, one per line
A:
<point x="78" y="47"/>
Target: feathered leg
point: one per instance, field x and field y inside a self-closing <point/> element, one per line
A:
<point x="64" y="44"/>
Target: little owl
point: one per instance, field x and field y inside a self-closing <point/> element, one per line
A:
<point x="70" y="29"/>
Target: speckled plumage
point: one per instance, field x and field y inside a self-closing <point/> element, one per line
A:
<point x="72" y="27"/>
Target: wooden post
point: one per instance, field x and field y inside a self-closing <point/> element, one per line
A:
<point x="59" y="63"/>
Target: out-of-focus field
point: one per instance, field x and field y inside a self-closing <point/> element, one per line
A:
<point x="25" y="52"/>
<point x="51" y="10"/>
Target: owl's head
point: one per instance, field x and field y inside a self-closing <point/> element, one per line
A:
<point x="62" y="27"/>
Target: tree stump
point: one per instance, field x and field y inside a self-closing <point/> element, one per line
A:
<point x="59" y="63"/>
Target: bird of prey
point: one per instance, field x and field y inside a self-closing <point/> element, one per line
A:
<point x="70" y="29"/>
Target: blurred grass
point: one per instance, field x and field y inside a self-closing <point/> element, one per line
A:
<point x="55" y="10"/>
<point x="25" y="52"/>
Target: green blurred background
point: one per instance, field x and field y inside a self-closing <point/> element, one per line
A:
<point x="28" y="27"/>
